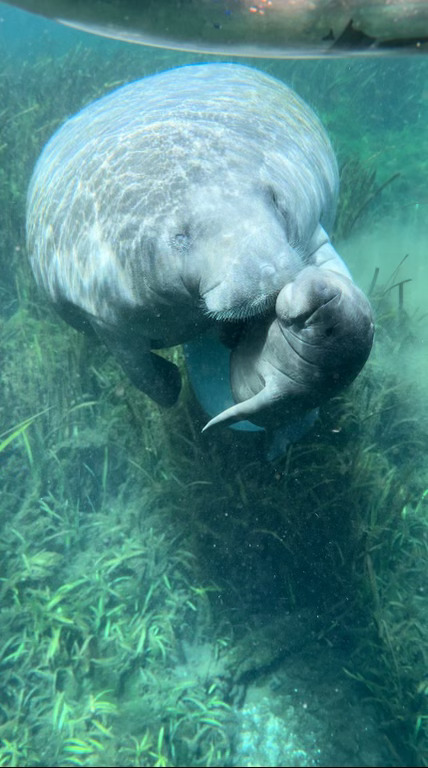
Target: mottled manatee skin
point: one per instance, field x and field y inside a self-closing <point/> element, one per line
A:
<point x="317" y="344"/>
<point x="189" y="195"/>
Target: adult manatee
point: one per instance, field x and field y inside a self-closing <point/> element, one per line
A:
<point x="179" y="202"/>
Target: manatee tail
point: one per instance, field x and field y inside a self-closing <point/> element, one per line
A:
<point x="243" y="410"/>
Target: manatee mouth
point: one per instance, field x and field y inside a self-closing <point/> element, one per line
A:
<point x="258" y="307"/>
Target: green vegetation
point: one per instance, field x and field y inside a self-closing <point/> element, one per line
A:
<point x="134" y="551"/>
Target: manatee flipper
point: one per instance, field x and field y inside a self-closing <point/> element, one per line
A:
<point x="208" y="366"/>
<point x="156" y="377"/>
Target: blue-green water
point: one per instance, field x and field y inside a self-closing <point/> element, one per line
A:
<point x="172" y="598"/>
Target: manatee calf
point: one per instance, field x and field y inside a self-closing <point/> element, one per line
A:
<point x="318" y="341"/>
<point x="183" y="201"/>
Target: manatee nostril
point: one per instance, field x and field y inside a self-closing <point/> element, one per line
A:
<point x="301" y="321"/>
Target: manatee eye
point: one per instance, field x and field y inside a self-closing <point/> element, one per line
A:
<point x="181" y="240"/>
<point x="281" y="212"/>
<point x="273" y="197"/>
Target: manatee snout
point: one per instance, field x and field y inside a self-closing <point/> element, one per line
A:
<point x="327" y="322"/>
<point x="315" y="345"/>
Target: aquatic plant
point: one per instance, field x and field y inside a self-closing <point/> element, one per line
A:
<point x="360" y="193"/>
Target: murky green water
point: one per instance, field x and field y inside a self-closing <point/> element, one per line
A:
<point x="169" y="597"/>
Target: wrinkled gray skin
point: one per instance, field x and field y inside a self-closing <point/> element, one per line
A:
<point x="317" y="343"/>
<point x="184" y="200"/>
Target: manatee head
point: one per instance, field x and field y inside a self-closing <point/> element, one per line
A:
<point x="243" y="250"/>
<point x="327" y="324"/>
<point x="316" y="344"/>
